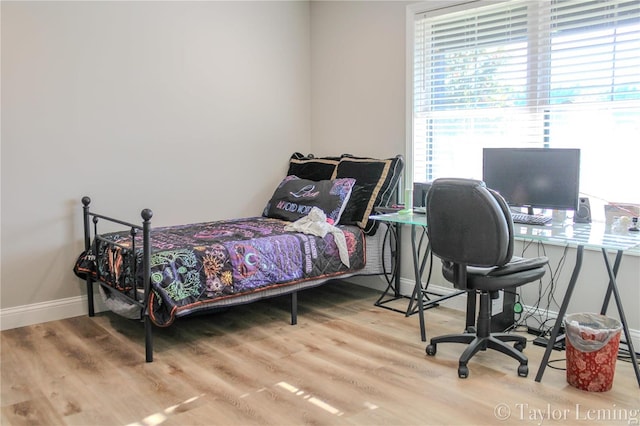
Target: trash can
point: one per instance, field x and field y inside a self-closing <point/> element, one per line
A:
<point x="592" y="342"/>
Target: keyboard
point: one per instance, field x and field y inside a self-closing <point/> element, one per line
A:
<point x="529" y="219"/>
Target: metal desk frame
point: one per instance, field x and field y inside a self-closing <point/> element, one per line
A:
<point x="594" y="236"/>
<point x="421" y="255"/>
<point x="612" y="288"/>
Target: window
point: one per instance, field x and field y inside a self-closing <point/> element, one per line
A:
<point x="562" y="74"/>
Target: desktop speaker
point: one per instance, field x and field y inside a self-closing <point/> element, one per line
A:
<point x="420" y="190"/>
<point x="583" y="214"/>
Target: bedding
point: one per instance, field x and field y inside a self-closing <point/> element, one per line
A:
<point x="193" y="266"/>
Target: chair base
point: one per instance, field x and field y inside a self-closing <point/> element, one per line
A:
<point x="483" y="340"/>
<point x="498" y="342"/>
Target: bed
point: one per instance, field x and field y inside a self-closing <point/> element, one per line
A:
<point x="314" y="228"/>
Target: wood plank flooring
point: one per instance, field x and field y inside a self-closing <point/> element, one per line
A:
<point x="345" y="363"/>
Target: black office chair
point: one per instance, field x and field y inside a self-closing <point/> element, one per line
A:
<point x="471" y="231"/>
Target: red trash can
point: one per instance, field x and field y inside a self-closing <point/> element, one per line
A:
<point x="592" y="342"/>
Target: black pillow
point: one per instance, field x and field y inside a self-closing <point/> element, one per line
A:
<point x="312" y="168"/>
<point x="294" y="198"/>
<point x="376" y="182"/>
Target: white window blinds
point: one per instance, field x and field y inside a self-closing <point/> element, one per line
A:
<point x="561" y="74"/>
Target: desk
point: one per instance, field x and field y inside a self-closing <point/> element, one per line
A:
<point x="594" y="236"/>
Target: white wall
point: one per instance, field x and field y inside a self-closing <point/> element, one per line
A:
<point x="191" y="109"/>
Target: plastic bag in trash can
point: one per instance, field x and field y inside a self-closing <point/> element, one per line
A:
<point x="590" y="332"/>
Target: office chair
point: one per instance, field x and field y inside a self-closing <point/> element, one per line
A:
<point x="470" y="230"/>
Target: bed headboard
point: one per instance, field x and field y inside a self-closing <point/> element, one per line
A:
<point x="377" y="182"/>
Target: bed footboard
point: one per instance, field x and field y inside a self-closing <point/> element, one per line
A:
<point x="132" y="295"/>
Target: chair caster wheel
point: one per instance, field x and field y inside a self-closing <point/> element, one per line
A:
<point x="523" y="371"/>
<point x="519" y="346"/>
<point x="431" y="349"/>
<point x="463" y="371"/>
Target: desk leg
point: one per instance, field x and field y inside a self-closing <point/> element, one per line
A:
<point x="420" y="292"/>
<point x="418" y="270"/>
<point x="396" y="257"/>
<point x="613" y="288"/>
<point x="563" y="311"/>
<point x="417" y="290"/>
<point x="392" y="292"/>
<point x="612" y="277"/>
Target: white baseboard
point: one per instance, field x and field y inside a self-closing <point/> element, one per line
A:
<point x="21" y="316"/>
<point x="36" y="313"/>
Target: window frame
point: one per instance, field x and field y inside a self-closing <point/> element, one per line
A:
<point x="432" y="9"/>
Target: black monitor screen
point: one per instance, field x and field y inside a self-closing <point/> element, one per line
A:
<point x="545" y="178"/>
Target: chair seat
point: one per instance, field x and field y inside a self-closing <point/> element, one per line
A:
<point x="517" y="272"/>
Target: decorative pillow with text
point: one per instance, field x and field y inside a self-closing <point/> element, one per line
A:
<point x="294" y="198"/>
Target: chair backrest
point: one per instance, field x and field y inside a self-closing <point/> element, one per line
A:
<point x="468" y="223"/>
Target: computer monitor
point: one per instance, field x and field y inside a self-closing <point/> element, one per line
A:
<point x="544" y="178"/>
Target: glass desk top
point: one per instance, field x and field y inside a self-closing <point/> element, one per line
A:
<point x="596" y="235"/>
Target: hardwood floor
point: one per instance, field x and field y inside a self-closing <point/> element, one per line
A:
<point x="346" y="362"/>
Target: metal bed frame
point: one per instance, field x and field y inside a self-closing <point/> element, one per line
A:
<point x="141" y="299"/>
